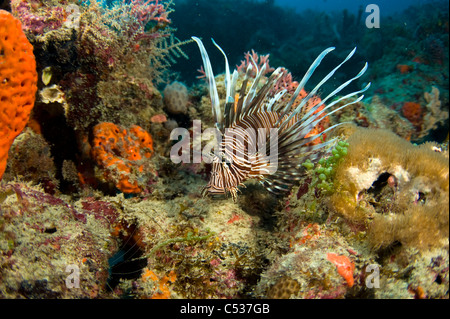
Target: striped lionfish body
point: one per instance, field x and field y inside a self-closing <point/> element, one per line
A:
<point x="260" y="134"/>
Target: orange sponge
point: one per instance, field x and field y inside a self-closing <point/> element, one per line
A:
<point x="18" y="82"/>
<point x="345" y="267"/>
<point x="120" y="153"/>
<point x="413" y="112"/>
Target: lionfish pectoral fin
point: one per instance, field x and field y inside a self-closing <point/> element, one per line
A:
<point x="234" y="193"/>
<point x="205" y="191"/>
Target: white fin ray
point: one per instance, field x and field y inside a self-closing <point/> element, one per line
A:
<point x="218" y="116"/>
<point x="319" y="85"/>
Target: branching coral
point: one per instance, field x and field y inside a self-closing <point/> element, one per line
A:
<point x="436" y="114"/>
<point x="113" y="34"/>
<point x="251" y="59"/>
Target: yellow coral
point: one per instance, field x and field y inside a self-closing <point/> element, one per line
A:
<point x="418" y="212"/>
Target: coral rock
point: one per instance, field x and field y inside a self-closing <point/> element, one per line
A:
<point x="283" y="289"/>
<point x="30" y="158"/>
<point x="44" y="240"/>
<point x="176" y="98"/>
<point x="120" y="152"/>
<point x="414" y="210"/>
<point x="18" y="82"/>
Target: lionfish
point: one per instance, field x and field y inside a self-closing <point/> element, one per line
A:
<point x="261" y="135"/>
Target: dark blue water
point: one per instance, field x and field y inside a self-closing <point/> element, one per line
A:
<point x="293" y="32"/>
<point x="387" y="7"/>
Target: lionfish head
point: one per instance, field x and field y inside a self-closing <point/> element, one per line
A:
<point x="245" y="149"/>
<point x="222" y="181"/>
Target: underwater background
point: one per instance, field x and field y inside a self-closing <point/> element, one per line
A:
<point x="92" y="204"/>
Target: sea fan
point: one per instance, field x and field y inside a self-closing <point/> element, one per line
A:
<point x="262" y="135"/>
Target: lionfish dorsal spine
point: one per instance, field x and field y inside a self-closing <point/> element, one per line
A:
<point x="227" y="72"/>
<point x="217" y="113"/>
<point x="314" y="116"/>
<point x="230" y="112"/>
<point x="252" y="92"/>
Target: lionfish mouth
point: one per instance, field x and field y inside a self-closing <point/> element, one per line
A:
<point x="263" y="133"/>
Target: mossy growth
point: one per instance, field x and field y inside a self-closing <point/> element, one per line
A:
<point x="191" y="236"/>
<point x="414" y="212"/>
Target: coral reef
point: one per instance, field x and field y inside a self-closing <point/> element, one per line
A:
<point x="18" y="82"/>
<point x="214" y="251"/>
<point x="124" y="52"/>
<point x="39" y="17"/>
<point x="387" y="210"/>
<point x="404" y="192"/>
<point x="90" y="198"/>
<point x="371" y="153"/>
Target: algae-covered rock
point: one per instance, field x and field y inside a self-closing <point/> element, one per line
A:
<point x="51" y="249"/>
